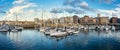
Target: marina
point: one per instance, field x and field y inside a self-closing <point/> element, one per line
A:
<point x="59" y="25"/>
<point x="84" y="40"/>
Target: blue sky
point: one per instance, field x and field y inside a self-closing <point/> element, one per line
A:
<point x="30" y="9"/>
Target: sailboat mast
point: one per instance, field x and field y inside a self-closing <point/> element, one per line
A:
<point x="63" y="24"/>
<point x="56" y="18"/>
<point x="16" y="19"/>
<point x="44" y="11"/>
<point x="53" y="20"/>
<point x="42" y="19"/>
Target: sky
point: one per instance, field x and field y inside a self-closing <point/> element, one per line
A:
<point x="27" y="10"/>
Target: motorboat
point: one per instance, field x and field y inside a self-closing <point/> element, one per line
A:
<point x="107" y="28"/>
<point x="14" y="30"/>
<point x="113" y="28"/>
<point x="76" y="32"/>
<point x="18" y="28"/>
<point x="49" y="32"/>
<point x="58" y="34"/>
<point x="70" y="31"/>
<point x="4" y="27"/>
<point x="42" y="30"/>
<point x="3" y="30"/>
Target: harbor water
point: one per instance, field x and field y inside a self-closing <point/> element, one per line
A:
<point x="84" y="40"/>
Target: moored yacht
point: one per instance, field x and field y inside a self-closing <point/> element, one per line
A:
<point x="113" y="28"/>
<point x="58" y="34"/>
<point x="76" y="32"/>
<point x="42" y="30"/>
<point x="4" y="27"/>
<point x="16" y="28"/>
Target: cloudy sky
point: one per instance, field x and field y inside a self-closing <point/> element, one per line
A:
<point x="30" y="9"/>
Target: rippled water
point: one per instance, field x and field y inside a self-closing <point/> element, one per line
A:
<point x="34" y="40"/>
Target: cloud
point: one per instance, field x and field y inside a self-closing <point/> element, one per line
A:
<point x="113" y="13"/>
<point x="78" y="4"/>
<point x="18" y="1"/>
<point x="85" y="6"/>
<point x="19" y="7"/>
<point x="68" y="10"/>
<point x="71" y="2"/>
<point x="118" y="5"/>
<point x="74" y="10"/>
<point x="107" y="1"/>
<point x="74" y="7"/>
<point x="57" y="10"/>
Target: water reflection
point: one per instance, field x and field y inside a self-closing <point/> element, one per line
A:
<point x="14" y="36"/>
<point x="3" y="33"/>
<point x="85" y="40"/>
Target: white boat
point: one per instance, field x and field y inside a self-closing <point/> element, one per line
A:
<point x="18" y="28"/>
<point x="70" y="31"/>
<point x="93" y="27"/>
<point x="3" y="30"/>
<point x="42" y="30"/>
<point x="102" y="28"/>
<point x="89" y="28"/>
<point x="76" y="32"/>
<point x="58" y="34"/>
<point x="81" y="27"/>
<point x="14" y="30"/>
<point x="49" y="32"/>
<point x="113" y="28"/>
<point x="85" y="28"/>
<point x="107" y="28"/>
<point x="4" y="27"/>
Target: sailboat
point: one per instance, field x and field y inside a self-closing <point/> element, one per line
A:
<point x="57" y="32"/>
<point x="113" y="28"/>
<point x="16" y="27"/>
<point x="107" y="28"/>
<point x="4" y="27"/>
<point x="42" y="29"/>
<point x="76" y="32"/>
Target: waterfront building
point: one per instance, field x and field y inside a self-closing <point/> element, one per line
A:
<point x="86" y="20"/>
<point x="118" y="20"/>
<point x="36" y="20"/>
<point x="48" y="22"/>
<point x="113" y="20"/>
<point x="56" y="21"/>
<point x="94" y="21"/>
<point x="75" y="19"/>
<point x="19" y="22"/>
<point x="62" y="20"/>
<point x="103" y="20"/>
<point x="98" y="18"/>
<point x="69" y="20"/>
<point x="66" y="20"/>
